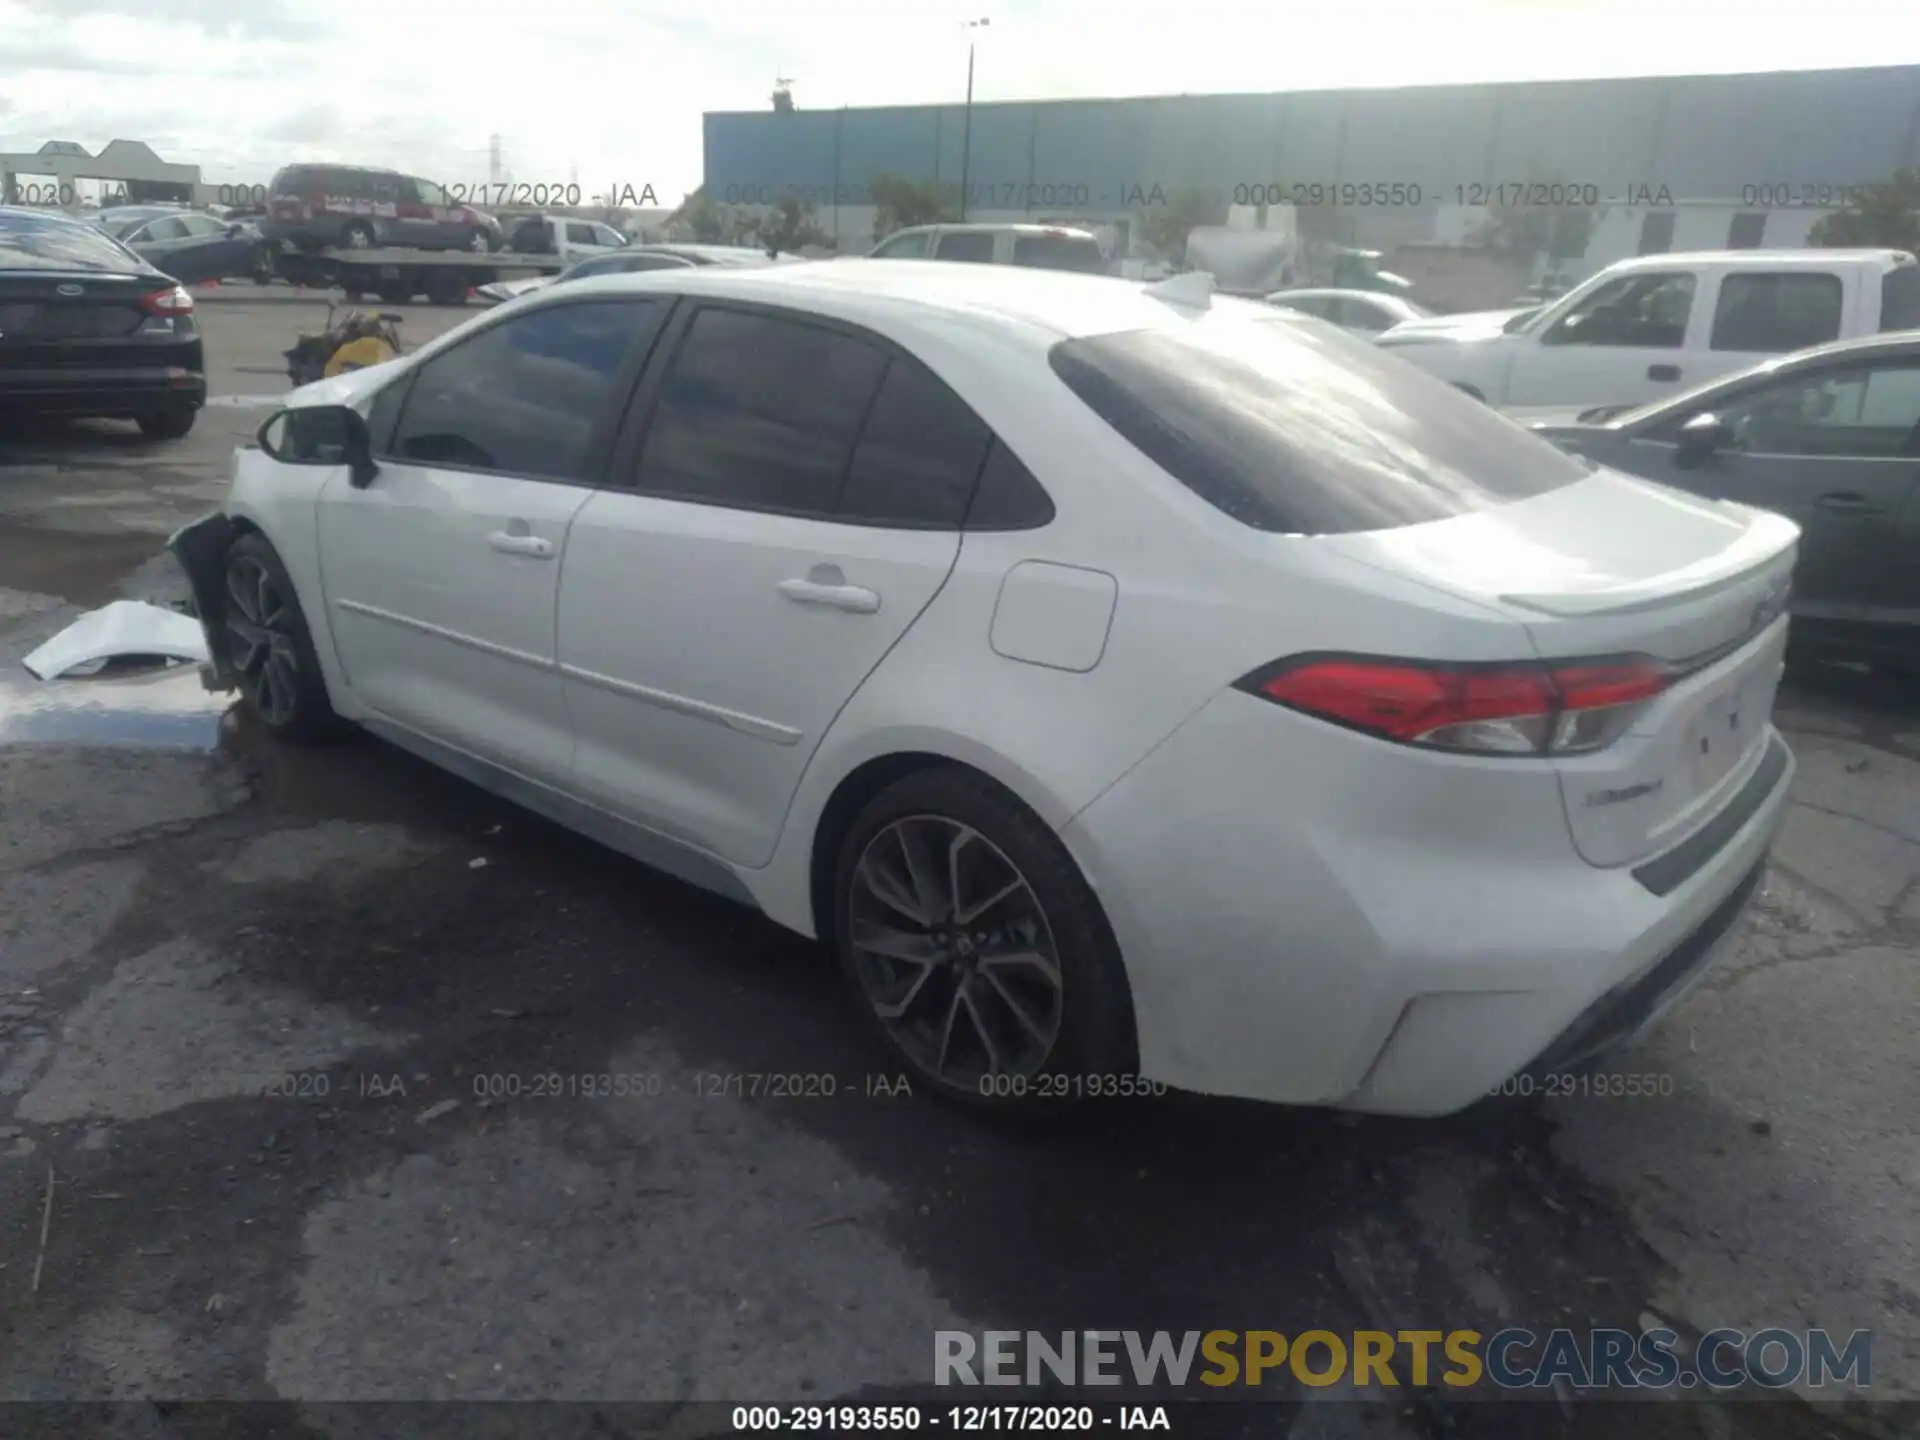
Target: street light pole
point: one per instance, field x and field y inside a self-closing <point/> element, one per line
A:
<point x="966" y="128"/>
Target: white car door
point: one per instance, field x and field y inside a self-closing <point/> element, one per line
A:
<point x="764" y="544"/>
<point x="1625" y="342"/>
<point x="442" y="576"/>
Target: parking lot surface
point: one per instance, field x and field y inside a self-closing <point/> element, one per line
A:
<point x="356" y="1083"/>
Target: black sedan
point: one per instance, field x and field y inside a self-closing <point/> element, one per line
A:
<point x="190" y="246"/>
<point x="89" y="328"/>
<point x="1829" y="437"/>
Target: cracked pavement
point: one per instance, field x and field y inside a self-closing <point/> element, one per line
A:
<point x="311" y="1044"/>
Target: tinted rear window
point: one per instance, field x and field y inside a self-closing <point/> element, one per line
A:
<point x="28" y="242"/>
<point x="1900" y="299"/>
<point x="1060" y="252"/>
<point x="1291" y="429"/>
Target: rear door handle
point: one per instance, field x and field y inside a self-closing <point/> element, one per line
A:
<point x="855" y="599"/>
<point x="1663" y="372"/>
<point x="529" y="545"/>
<point x="1844" y="500"/>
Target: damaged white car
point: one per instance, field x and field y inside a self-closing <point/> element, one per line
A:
<point x="1133" y="692"/>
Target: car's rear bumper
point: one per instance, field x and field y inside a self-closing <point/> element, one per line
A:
<point x="103" y="390"/>
<point x="1309" y="915"/>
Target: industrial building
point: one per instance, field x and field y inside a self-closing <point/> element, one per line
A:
<point x="1662" y="163"/>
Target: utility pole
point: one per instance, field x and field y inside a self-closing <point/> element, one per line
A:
<point x="966" y="129"/>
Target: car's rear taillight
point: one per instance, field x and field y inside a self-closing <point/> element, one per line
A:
<point x="172" y="301"/>
<point x="1564" y="708"/>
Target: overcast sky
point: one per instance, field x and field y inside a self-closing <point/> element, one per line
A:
<point x="616" y="88"/>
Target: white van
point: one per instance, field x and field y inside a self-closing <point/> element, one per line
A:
<point x="1648" y="328"/>
<point x="1042" y="247"/>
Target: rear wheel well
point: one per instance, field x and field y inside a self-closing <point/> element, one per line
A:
<point x="853" y="792"/>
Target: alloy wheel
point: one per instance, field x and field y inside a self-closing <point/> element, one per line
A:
<point x="259" y="642"/>
<point x="477" y="242"/>
<point x="954" y="953"/>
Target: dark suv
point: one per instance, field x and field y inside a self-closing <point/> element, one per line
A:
<point x="314" y="206"/>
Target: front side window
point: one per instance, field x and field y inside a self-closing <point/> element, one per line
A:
<point x="202" y="225"/>
<point x="606" y="235"/>
<point x="527" y="396"/>
<point x="1900" y="298"/>
<point x="758" y="412"/>
<point x="432" y="194"/>
<point x="170" y="228"/>
<point x="578" y="234"/>
<point x="1772" y="314"/>
<point x="1292" y="429"/>
<point x="1646" y="312"/>
<point x="905" y="247"/>
<point x="1863" y="412"/>
<point x="1359" y="315"/>
<point x="972" y="246"/>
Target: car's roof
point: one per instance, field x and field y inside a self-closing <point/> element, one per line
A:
<point x="997" y="228"/>
<point x="888" y="294"/>
<point x="1764" y="259"/>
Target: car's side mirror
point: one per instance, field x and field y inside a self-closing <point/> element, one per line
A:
<point x="1699" y="438"/>
<point x="321" y="435"/>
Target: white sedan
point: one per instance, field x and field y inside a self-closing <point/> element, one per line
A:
<point x="1122" y="684"/>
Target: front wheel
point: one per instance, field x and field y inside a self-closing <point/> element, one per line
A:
<point x="979" y="952"/>
<point x="358" y="236"/>
<point x="480" y="243"/>
<point x="269" y="646"/>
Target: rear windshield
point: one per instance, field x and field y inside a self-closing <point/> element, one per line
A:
<point x="1900" y="298"/>
<point x="1060" y="252"/>
<point x="1298" y="430"/>
<point x="29" y="242"/>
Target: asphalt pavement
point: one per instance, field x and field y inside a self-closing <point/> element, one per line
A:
<point x="323" y="1052"/>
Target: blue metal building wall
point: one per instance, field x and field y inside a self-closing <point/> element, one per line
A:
<point x="1701" y="137"/>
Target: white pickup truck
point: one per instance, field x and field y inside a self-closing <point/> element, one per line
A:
<point x="1647" y="328"/>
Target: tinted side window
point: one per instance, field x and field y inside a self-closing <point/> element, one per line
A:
<point x="1639" y="311"/>
<point x="578" y="234"/>
<point x="526" y="396"/>
<point x="1059" y="252"/>
<point x="1008" y="497"/>
<point x="1867" y="411"/>
<point x="1288" y="428"/>
<point x="758" y="412"/>
<point x="918" y="456"/>
<point x="1900" y="299"/>
<point x="975" y="246"/>
<point x="1771" y="314"/>
<point x="168" y="229"/>
<point x="905" y="247"/>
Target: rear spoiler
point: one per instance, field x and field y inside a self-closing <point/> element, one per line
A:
<point x="1766" y="537"/>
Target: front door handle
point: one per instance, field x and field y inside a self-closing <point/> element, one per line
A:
<point x="1663" y="372"/>
<point x="855" y="599"/>
<point x="1844" y="500"/>
<point x="530" y="545"/>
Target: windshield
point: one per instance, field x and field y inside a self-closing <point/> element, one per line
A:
<point x="31" y="242"/>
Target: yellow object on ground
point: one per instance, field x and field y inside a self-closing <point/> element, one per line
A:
<point x="357" y="355"/>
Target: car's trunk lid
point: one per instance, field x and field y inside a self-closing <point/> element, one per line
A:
<point x="1615" y="566"/>
<point x="56" y="316"/>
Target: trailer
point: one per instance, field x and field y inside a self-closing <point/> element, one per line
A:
<point x="396" y="275"/>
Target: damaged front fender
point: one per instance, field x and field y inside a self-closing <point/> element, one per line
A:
<point x="201" y="548"/>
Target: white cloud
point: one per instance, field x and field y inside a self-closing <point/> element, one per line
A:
<point x="617" y="87"/>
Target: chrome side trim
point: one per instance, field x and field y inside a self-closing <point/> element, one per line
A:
<point x="452" y="637"/>
<point x="746" y="724"/>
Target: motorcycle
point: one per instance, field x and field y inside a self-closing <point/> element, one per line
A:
<point x="357" y="340"/>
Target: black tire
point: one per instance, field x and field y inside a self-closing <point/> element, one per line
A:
<point x="447" y="286"/>
<point x="396" y="292"/>
<point x="307" y="716"/>
<point x="358" y="235"/>
<point x="261" y="268"/>
<point x="352" y="295"/>
<point x="167" y="424"/>
<point x="1094" y="1051"/>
